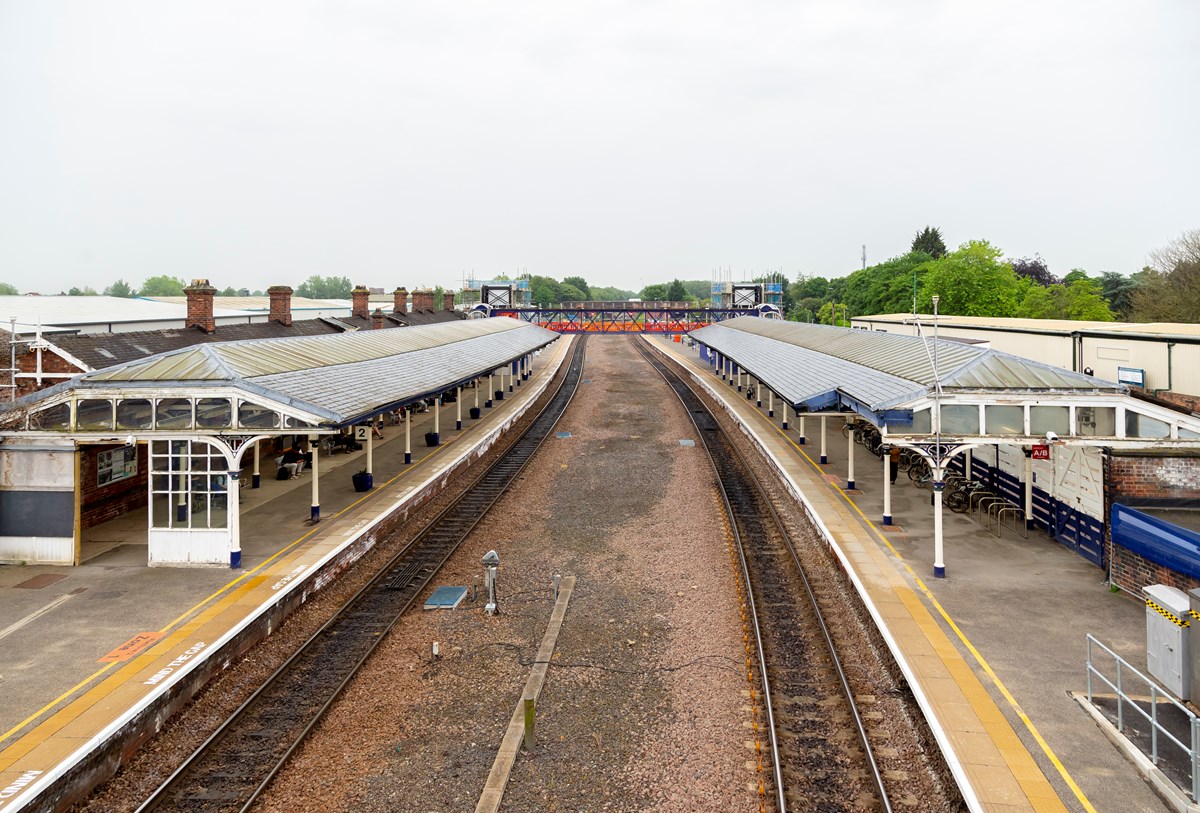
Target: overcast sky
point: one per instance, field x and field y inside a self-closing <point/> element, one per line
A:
<point x="257" y="143"/>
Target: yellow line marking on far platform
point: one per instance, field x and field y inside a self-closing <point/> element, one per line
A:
<point x="1008" y="696"/>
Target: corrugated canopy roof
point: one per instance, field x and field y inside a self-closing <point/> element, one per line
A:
<point x="810" y="365"/>
<point x="342" y="377"/>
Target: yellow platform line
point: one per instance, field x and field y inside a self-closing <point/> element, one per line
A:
<point x="1005" y="693"/>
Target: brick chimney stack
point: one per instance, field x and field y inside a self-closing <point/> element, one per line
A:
<point x="422" y="300"/>
<point x="281" y="304"/>
<point x="400" y="303"/>
<point x="448" y="300"/>
<point x="377" y="319"/>
<point x="200" y="305"/>
<point x="360" y="298"/>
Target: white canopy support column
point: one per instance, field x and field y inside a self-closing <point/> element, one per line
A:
<point x="824" y="457"/>
<point x="408" y="421"/>
<point x="939" y="555"/>
<point x="758" y="393"/>
<point x="784" y="425"/>
<point x="887" y="489"/>
<point x="370" y="451"/>
<point x="488" y="401"/>
<point x="256" y="477"/>
<point x="850" y="458"/>
<point x="476" y="413"/>
<point x="233" y="510"/>
<point x="437" y="421"/>
<point x="801" y="440"/>
<point x="771" y="403"/>
<point x="315" y="448"/>
<point x="458" y="408"/>
<point x="512" y="368"/>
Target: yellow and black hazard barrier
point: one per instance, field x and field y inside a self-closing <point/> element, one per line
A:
<point x="1170" y="616"/>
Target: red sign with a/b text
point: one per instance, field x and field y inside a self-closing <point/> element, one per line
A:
<point x="1041" y="452"/>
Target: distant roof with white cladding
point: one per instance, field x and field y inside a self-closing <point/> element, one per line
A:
<point x="97" y="310"/>
<point x="811" y="365"/>
<point x="340" y="377"/>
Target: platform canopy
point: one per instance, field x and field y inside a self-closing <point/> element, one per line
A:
<point x="327" y="381"/>
<point x="890" y="379"/>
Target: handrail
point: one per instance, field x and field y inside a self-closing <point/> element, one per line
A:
<point x="1157" y="693"/>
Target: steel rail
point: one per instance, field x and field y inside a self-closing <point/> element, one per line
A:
<point x="685" y="393"/>
<point x="312" y="658"/>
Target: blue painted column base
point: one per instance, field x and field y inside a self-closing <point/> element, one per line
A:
<point x="801" y="440"/>
<point x="770" y="413"/>
<point x="437" y="439"/>
<point x="758" y="403"/>
<point x="315" y="515"/>
<point x="849" y="485"/>
<point x="407" y="458"/>
<point x="887" y="519"/>
<point x="488" y="403"/>
<point x="939" y="572"/>
<point x="824" y="460"/>
<point x="181" y="513"/>
<point x="255" y="480"/>
<point x="785" y="426"/>
<point x="235" y="559"/>
<point x="458" y="424"/>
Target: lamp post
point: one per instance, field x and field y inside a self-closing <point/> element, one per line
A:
<point x="939" y="562"/>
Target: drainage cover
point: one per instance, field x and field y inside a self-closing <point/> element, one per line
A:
<point x="687" y="442"/>
<point x="562" y="434"/>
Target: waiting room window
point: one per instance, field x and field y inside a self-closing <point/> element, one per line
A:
<point x="1138" y="425"/>
<point x="1096" y="421"/>
<point x="1004" y="419"/>
<point x="256" y="416"/>
<point x="188" y="485"/>
<point x="94" y="415"/>
<point x="134" y="413"/>
<point x="960" y="419"/>
<point x="214" y="413"/>
<point x="1043" y="419"/>
<point x="173" y="413"/>
<point x="57" y="417"/>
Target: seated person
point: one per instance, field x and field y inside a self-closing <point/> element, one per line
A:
<point x="345" y="442"/>
<point x="293" y="461"/>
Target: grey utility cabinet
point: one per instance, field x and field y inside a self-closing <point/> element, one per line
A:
<point x="1168" y="650"/>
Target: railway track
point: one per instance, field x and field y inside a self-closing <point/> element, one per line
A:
<point x="237" y="763"/>
<point x="821" y="757"/>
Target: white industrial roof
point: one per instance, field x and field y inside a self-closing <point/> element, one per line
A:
<point x="1062" y="326"/>
<point x="97" y="310"/>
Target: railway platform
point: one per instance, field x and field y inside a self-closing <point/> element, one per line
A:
<point x="76" y="696"/>
<point x="994" y="650"/>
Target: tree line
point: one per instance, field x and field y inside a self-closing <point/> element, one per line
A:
<point x="976" y="280"/>
<point x="973" y="280"/>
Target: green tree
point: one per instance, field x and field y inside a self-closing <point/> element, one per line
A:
<point x="676" y="292"/>
<point x="1118" y="290"/>
<point x="569" y="293"/>
<point x="888" y="287"/>
<point x="230" y="291"/>
<point x="1169" y="289"/>
<point x="8" y="289"/>
<point x="580" y="284"/>
<point x="929" y="241"/>
<point x="318" y="287"/>
<point x="86" y="290"/>
<point x="162" y="285"/>
<point x="971" y="281"/>
<point x="653" y="293"/>
<point x="119" y="288"/>
<point x="609" y="294"/>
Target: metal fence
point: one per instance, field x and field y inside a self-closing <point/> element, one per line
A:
<point x="1133" y="692"/>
